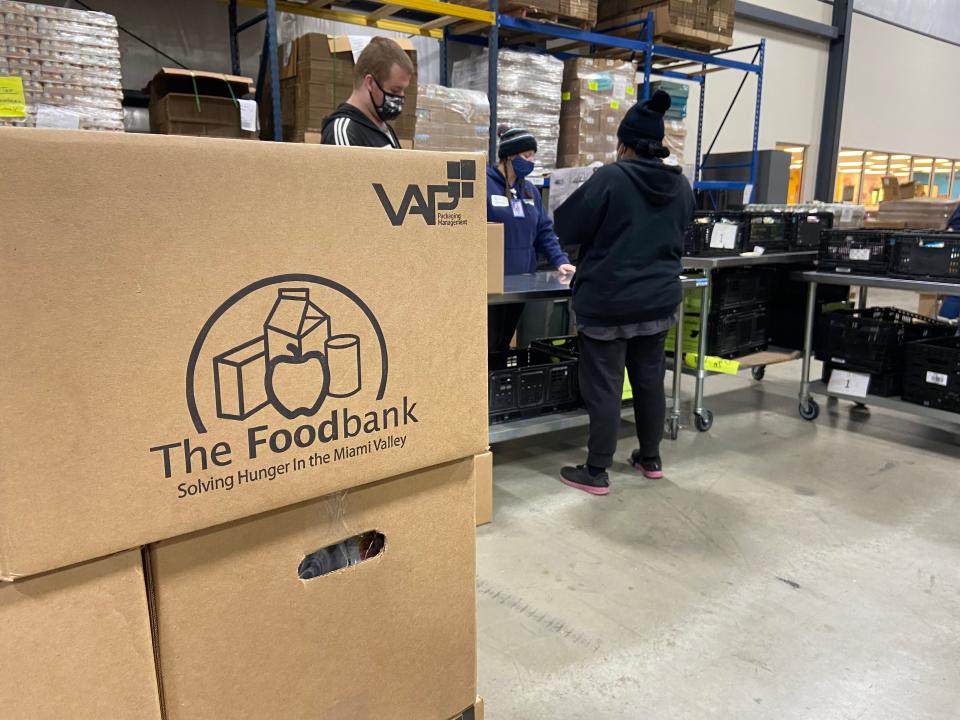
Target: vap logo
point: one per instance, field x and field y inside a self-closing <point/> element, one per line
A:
<point x="285" y="344"/>
<point x="461" y="176"/>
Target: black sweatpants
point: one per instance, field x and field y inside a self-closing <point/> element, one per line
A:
<point x="602" y="365"/>
<point x="502" y="322"/>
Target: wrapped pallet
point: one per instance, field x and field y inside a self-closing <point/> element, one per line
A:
<point x="528" y="95"/>
<point x="452" y="119"/>
<point x="59" y="68"/>
<point x="596" y="95"/>
<point x="675" y="138"/>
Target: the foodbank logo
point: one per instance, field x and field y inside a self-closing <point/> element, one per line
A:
<point x="434" y="203"/>
<point x="296" y="361"/>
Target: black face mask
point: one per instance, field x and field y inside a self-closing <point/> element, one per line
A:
<point x="391" y="107"/>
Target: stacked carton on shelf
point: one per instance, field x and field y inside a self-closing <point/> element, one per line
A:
<point x="68" y="64"/>
<point x="322" y="452"/>
<point x="528" y="95"/>
<point x="699" y="24"/>
<point x="595" y="96"/>
<point x="452" y="119"/>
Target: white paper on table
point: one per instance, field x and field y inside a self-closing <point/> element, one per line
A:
<point x="759" y="249"/>
<point x="358" y="44"/>
<point x="844" y="382"/>
<point x="723" y="236"/>
<point x="619" y="87"/>
<point x="51" y="116"/>
<point x="248" y="115"/>
<point x="859" y="253"/>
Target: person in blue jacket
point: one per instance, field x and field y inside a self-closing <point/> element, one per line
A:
<point x="951" y="304"/>
<point x="515" y="203"/>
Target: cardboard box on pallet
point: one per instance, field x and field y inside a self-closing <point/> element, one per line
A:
<point x="183" y="350"/>
<point x="192" y="102"/>
<point x="386" y="624"/>
<point x="76" y="643"/>
<point x="316" y="75"/>
<point x="595" y="96"/>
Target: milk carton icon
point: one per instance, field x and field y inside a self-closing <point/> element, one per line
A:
<point x="295" y="321"/>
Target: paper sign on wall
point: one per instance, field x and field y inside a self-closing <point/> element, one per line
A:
<point x="12" y="102"/>
<point x="358" y="44"/>
<point x="844" y="382"/>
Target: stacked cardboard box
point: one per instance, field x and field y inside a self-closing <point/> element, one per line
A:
<point x="917" y="213"/>
<point x="700" y="24"/>
<point x="316" y="75"/>
<point x="528" y="95"/>
<point x="191" y="102"/>
<point x="320" y="457"/>
<point x="68" y="64"/>
<point x="596" y="94"/>
<point x="581" y="11"/>
<point x="452" y="119"/>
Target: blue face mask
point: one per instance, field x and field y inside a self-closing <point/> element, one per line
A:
<point x="522" y="167"/>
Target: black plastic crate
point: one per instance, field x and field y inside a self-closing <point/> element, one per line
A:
<point x="788" y="305"/>
<point x="738" y="332"/>
<point x="524" y="383"/>
<point x="807" y="228"/>
<point x="740" y="287"/>
<point x="563" y="344"/>
<point x="857" y="252"/>
<point x="928" y="255"/>
<point x="874" y="339"/>
<point x="697" y="240"/>
<point x="931" y="375"/>
<point x="888" y="383"/>
<point x="774" y="231"/>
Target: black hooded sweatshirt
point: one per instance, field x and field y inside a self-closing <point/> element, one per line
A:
<point x="347" y="125"/>
<point x="629" y="220"/>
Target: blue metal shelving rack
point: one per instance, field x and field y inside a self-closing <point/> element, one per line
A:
<point x="446" y="22"/>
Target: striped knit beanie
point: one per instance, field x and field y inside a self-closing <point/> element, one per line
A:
<point x="514" y="141"/>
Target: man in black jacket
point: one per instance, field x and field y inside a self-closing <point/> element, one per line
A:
<point x="380" y="79"/>
<point x="629" y="220"/>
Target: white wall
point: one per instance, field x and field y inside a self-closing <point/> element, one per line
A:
<point x="901" y="92"/>
<point x="792" y="101"/>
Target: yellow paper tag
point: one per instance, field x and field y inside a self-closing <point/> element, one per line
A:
<point x="593" y="85"/>
<point x="713" y="364"/>
<point x="12" y="102"/>
<point x="564" y="96"/>
<point x="614" y="105"/>
<point x="630" y="90"/>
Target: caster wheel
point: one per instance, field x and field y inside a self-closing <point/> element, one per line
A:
<point x="674" y="428"/>
<point x="810" y="410"/>
<point x="759" y="372"/>
<point x="703" y="422"/>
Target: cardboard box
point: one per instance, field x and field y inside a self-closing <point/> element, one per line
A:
<point x="392" y="636"/>
<point x="192" y="102"/>
<point x="452" y="119"/>
<point x="134" y="262"/>
<point x="699" y="24"/>
<point x="76" y="643"/>
<point x="316" y="76"/>
<point x="484" y="488"/>
<point x="495" y="259"/>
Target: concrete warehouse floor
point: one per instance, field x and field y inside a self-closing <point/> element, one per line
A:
<point x="782" y="570"/>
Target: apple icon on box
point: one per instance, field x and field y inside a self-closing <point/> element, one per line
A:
<point x="297" y="384"/>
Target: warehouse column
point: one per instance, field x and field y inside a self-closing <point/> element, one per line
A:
<point x="833" y="100"/>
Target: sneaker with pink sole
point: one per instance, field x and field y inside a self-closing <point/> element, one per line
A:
<point x="651" y="467"/>
<point x="580" y="478"/>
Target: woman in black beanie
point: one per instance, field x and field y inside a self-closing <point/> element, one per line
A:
<point x="515" y="203"/>
<point x="629" y="219"/>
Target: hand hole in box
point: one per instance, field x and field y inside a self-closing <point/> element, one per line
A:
<point x="343" y="554"/>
